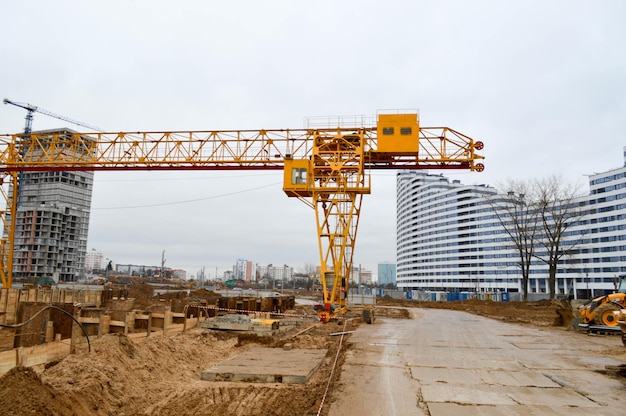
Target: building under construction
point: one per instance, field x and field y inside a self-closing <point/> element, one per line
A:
<point x="52" y="219"/>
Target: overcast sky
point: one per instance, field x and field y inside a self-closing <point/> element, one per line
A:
<point x="542" y="83"/>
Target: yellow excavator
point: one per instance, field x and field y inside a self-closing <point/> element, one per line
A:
<point x="599" y="311"/>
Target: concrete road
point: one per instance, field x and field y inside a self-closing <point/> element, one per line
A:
<point x="444" y="362"/>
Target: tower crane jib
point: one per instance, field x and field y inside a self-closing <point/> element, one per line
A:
<point x="31" y="109"/>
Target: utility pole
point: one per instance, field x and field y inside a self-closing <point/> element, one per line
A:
<point x="162" y="265"/>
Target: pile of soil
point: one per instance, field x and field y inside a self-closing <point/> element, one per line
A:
<point x="161" y="376"/>
<point x="541" y="313"/>
<point x="26" y="394"/>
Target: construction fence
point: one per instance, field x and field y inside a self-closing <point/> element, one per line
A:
<point x="446" y="296"/>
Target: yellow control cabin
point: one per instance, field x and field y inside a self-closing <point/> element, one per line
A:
<point x="296" y="178"/>
<point x="398" y="134"/>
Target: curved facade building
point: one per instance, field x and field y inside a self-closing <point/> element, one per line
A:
<point x="449" y="238"/>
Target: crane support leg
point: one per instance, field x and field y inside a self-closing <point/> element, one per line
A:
<point x="337" y="222"/>
<point x="8" y="218"/>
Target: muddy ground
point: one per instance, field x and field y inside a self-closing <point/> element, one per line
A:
<point x="161" y="376"/>
<point x="541" y="313"/>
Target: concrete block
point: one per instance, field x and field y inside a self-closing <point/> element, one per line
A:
<point x="268" y="365"/>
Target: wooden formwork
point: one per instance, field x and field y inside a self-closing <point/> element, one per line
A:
<point x="10" y="299"/>
<point x="9" y="302"/>
<point x="36" y="356"/>
<point x="53" y="334"/>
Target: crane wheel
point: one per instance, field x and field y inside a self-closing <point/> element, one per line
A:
<point x="603" y="315"/>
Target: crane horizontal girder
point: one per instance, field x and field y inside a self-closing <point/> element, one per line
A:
<point x="439" y="148"/>
<point x="327" y="168"/>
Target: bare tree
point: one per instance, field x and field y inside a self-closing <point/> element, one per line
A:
<point x="558" y="211"/>
<point x="516" y="211"/>
<point x="309" y="269"/>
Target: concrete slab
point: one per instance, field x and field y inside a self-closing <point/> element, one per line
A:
<point x="465" y="394"/>
<point x="542" y="346"/>
<point x="562" y="397"/>
<point x="449" y="361"/>
<point x="268" y="365"/>
<point x="373" y="399"/>
<point x="517" y="379"/>
<point x="481" y="394"/>
<point x="429" y="375"/>
<point x="478" y="368"/>
<point x="233" y="322"/>
<point x="446" y="409"/>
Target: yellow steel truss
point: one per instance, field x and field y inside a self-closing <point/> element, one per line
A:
<point x="327" y="168"/>
<point x="338" y="183"/>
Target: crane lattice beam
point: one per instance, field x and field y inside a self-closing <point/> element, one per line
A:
<point x="439" y="148"/>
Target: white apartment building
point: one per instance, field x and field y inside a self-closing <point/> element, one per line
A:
<point x="245" y="270"/>
<point x="277" y="273"/>
<point x="94" y="260"/>
<point x="450" y="239"/>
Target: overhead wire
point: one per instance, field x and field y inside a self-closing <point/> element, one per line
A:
<point x="190" y="200"/>
<point x="197" y="178"/>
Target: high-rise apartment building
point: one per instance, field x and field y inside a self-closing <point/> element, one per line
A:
<point x="52" y="218"/>
<point x="277" y="273"/>
<point x="386" y="273"/>
<point x="94" y="260"/>
<point x="245" y="270"/>
<point x="449" y="238"/>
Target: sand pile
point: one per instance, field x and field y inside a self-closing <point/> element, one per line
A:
<point x="23" y="393"/>
<point x="161" y="376"/>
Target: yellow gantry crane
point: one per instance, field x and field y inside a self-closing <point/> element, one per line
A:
<point x="325" y="165"/>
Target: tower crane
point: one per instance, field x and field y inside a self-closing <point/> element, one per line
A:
<point x="28" y="126"/>
<point x="326" y="166"/>
<point x="32" y="109"/>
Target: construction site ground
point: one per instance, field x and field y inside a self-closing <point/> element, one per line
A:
<point x="162" y="375"/>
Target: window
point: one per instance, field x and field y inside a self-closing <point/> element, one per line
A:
<point x="298" y="176"/>
<point x="388" y="131"/>
<point x="406" y="131"/>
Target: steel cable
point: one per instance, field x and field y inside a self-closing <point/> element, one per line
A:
<point x="51" y="307"/>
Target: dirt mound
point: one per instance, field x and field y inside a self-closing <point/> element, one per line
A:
<point x="120" y="376"/>
<point x="162" y="376"/>
<point x="140" y="291"/>
<point x="259" y="400"/>
<point x="203" y="293"/>
<point x="22" y="392"/>
<point x="540" y="313"/>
